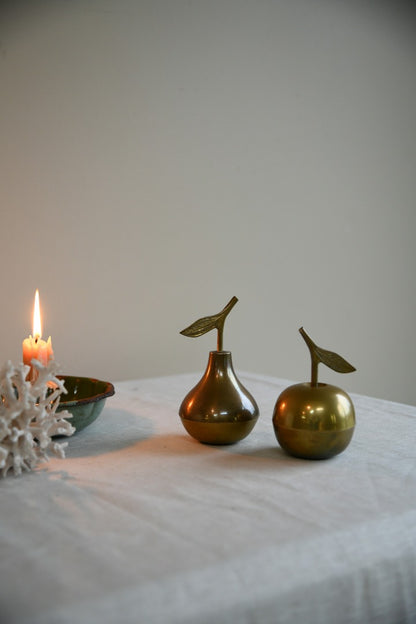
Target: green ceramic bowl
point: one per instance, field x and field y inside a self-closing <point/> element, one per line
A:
<point x="85" y="399"/>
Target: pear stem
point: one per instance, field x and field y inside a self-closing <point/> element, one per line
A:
<point x="220" y="326"/>
<point x="220" y="337"/>
<point x="314" y="357"/>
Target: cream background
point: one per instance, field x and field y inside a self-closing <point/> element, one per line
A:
<point x="159" y="157"/>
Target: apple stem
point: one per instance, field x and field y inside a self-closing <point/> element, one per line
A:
<point x="314" y="357"/>
<point x="314" y="372"/>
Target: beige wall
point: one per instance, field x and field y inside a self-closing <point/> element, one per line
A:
<point x="159" y="157"/>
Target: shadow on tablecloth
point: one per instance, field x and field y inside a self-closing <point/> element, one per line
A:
<point x="112" y="431"/>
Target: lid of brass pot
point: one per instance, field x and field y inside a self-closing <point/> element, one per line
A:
<point x="315" y="420"/>
<point x="219" y="409"/>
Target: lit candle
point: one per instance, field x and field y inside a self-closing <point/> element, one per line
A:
<point x="34" y="347"/>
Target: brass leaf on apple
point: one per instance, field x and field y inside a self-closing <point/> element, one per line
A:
<point x="334" y="361"/>
<point x="329" y="358"/>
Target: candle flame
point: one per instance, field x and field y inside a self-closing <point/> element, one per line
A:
<point x="37" y="324"/>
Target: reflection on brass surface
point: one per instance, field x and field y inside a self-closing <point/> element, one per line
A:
<point x="314" y="422"/>
<point x="218" y="433"/>
<point x="312" y="444"/>
<point x="219" y="409"/>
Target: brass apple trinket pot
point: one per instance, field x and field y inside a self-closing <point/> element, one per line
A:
<point x="315" y="420"/>
<point x="219" y="409"/>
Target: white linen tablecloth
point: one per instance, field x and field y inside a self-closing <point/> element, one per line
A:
<point x="142" y="524"/>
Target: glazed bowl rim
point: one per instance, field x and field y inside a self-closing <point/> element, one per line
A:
<point x="107" y="392"/>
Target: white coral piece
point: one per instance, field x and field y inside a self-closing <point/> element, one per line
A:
<point x="28" y="417"/>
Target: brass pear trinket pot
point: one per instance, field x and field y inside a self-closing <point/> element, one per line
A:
<point x="219" y="409"/>
<point x="315" y="420"/>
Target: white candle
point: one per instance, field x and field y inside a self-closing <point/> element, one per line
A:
<point x="34" y="347"/>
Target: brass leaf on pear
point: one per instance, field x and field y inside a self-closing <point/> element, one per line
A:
<point x="206" y="323"/>
<point x="201" y="326"/>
